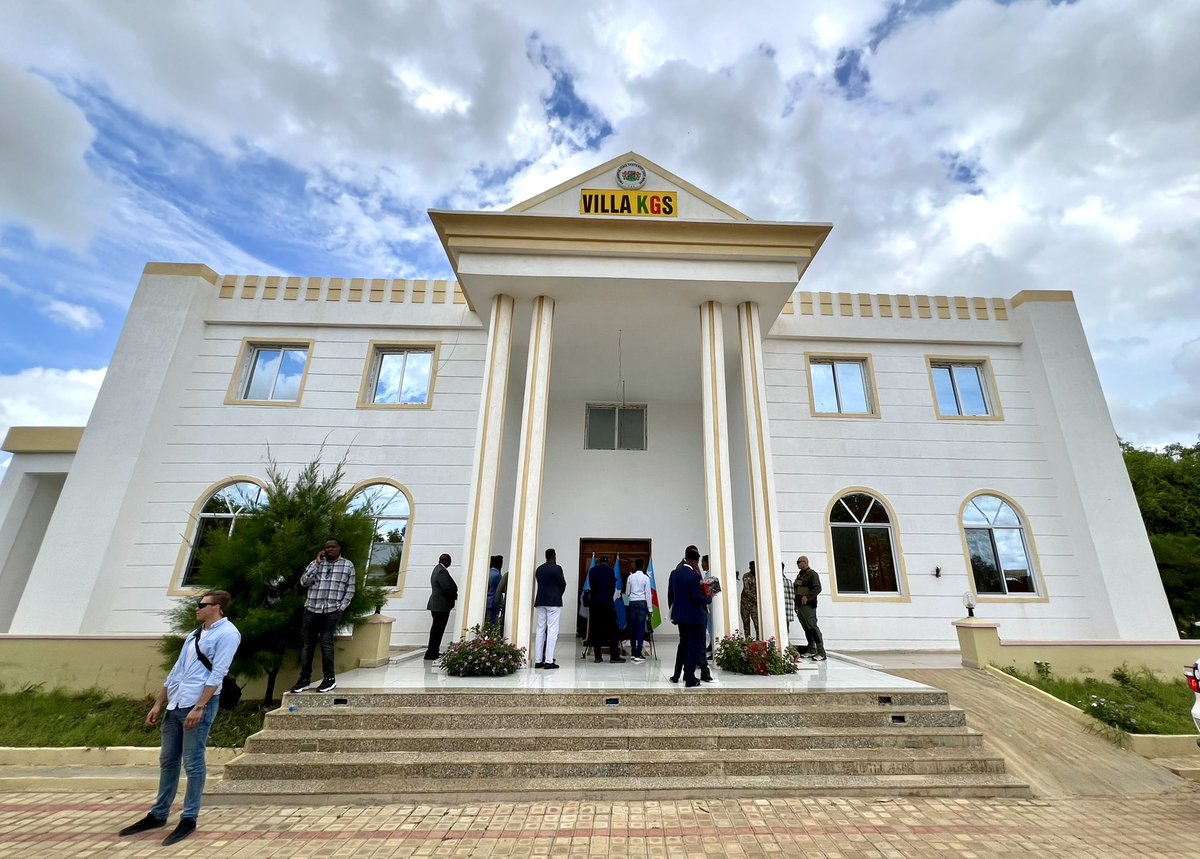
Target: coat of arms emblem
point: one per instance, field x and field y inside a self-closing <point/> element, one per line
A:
<point x="631" y="176"/>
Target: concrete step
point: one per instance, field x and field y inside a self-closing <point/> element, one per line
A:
<point x="333" y="741"/>
<point x="83" y="779"/>
<point x="492" y="699"/>
<point x="675" y="763"/>
<point x="698" y="718"/>
<point x="405" y="789"/>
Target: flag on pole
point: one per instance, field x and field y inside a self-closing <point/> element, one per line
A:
<point x="655" y="614"/>
<point x="584" y="611"/>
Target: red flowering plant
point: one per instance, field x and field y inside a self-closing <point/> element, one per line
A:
<point x="484" y="653"/>
<point x="743" y="655"/>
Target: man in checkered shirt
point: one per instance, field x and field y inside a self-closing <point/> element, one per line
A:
<point x="330" y="582"/>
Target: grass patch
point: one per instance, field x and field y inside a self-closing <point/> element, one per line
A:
<point x="32" y="717"/>
<point x="1134" y="701"/>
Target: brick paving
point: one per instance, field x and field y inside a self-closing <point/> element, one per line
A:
<point x="61" y="825"/>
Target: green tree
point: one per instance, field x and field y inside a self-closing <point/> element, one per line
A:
<point x="1167" y="485"/>
<point x="260" y="565"/>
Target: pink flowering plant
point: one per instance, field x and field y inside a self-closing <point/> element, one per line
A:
<point x="743" y="655"/>
<point x="483" y="653"/>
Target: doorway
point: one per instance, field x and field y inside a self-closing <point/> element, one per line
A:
<point x="629" y="548"/>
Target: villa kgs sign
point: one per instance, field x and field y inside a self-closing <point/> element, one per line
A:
<point x="644" y="204"/>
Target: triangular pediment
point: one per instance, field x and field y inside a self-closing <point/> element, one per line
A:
<point x="571" y="198"/>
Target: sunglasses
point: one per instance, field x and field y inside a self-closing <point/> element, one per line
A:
<point x="204" y="605"/>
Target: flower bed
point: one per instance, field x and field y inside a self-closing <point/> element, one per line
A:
<point x="484" y="654"/>
<point x="748" y="656"/>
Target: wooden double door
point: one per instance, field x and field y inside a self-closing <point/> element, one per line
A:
<point x="630" y="549"/>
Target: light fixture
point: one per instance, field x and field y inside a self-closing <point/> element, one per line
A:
<point x="969" y="603"/>
<point x="937" y="572"/>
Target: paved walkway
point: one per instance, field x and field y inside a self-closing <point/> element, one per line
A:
<point x="49" y="825"/>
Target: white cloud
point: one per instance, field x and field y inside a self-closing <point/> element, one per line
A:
<point x="44" y="182"/>
<point x="75" y="316"/>
<point x="40" y="396"/>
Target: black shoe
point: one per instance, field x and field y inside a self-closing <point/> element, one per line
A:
<point x="616" y="659"/>
<point x="185" y="828"/>
<point x="674" y="678"/>
<point x="327" y="685"/>
<point x="708" y="680"/>
<point x="598" y="659"/>
<point x="144" y="825"/>
<point x="690" y="683"/>
<point x="550" y="666"/>
<point x="435" y="656"/>
<point x="539" y="665"/>
<point x="301" y="686"/>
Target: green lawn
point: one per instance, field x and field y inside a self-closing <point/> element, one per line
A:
<point x="32" y="717"/>
<point x="1134" y="700"/>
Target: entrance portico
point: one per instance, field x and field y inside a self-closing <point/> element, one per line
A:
<point x="664" y="312"/>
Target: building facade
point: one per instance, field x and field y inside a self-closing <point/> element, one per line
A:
<point x="623" y="362"/>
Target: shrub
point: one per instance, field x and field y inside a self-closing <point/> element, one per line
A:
<point x="484" y="654"/>
<point x="748" y="656"/>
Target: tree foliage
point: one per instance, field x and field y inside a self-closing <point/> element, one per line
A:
<point x="1167" y="485"/>
<point x="261" y="562"/>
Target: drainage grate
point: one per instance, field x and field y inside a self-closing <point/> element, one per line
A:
<point x="899" y="720"/>
<point x="885" y="700"/>
<point x="341" y="702"/>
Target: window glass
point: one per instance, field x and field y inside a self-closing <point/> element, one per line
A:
<point x="389" y="507"/>
<point x="220" y="513"/>
<point x="632" y="429"/>
<point x="601" y="428"/>
<point x="825" y="398"/>
<point x="943" y="385"/>
<point x="996" y="543"/>
<point x="275" y="373"/>
<point x="852" y="391"/>
<point x="970" y="390"/>
<point x="847" y="561"/>
<point x="416" y="378"/>
<point x="402" y="377"/>
<point x="391" y="374"/>
<point x="864" y="557"/>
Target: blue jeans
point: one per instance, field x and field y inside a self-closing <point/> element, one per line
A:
<point x="187" y="747"/>
<point x="637" y="626"/>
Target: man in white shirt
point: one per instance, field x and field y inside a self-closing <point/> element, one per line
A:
<point x="637" y="595"/>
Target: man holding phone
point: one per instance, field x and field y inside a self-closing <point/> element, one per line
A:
<point x="330" y="582"/>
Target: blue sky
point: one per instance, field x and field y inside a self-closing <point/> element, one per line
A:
<point x="971" y="147"/>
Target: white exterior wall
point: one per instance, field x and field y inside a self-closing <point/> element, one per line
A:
<point x="29" y="492"/>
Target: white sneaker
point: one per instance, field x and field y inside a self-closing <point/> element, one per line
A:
<point x="638" y="659"/>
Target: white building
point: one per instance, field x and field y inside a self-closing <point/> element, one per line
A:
<point x="605" y="380"/>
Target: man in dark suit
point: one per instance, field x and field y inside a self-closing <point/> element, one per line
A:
<point x="547" y="607"/>
<point x="603" y="627"/>
<point x="688" y="607"/>
<point x="442" y="597"/>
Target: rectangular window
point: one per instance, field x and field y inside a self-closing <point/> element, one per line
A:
<point x="960" y="389"/>
<point x="616" y="427"/>
<point x="274" y="373"/>
<point x="840" y="386"/>
<point x="399" y="376"/>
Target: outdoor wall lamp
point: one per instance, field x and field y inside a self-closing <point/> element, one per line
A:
<point x="969" y="603"/>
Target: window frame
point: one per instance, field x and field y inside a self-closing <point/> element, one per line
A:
<point x="249" y="349"/>
<point x="183" y="559"/>
<point x="870" y="389"/>
<point x="987" y="380"/>
<point x="1035" y="566"/>
<point x="402" y="573"/>
<point x="618" y="407"/>
<point x="376" y="349"/>
<point x="904" y="592"/>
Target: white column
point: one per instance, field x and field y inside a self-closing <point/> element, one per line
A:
<point x="718" y="496"/>
<point x="485" y="474"/>
<point x="764" y="512"/>
<point x="527" y="506"/>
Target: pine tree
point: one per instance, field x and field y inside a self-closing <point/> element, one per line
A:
<point x="260" y="565"/>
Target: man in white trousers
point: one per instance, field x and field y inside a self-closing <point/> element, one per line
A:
<point x="547" y="607"/>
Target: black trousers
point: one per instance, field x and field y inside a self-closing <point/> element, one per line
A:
<point x="692" y="636"/>
<point x="313" y="627"/>
<point x="436" y="630"/>
<point x="681" y="651"/>
<point x="603" y="630"/>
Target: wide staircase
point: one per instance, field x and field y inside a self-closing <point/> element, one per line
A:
<point x="452" y="746"/>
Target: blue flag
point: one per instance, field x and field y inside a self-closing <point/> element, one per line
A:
<point x="618" y="599"/>
<point x="584" y="611"/>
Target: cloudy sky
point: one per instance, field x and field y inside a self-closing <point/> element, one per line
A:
<point x="972" y="147"/>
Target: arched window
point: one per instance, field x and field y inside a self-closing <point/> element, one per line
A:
<point x="220" y="513"/>
<point x="864" y="554"/>
<point x="996" y="542"/>
<point x="389" y="507"/>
